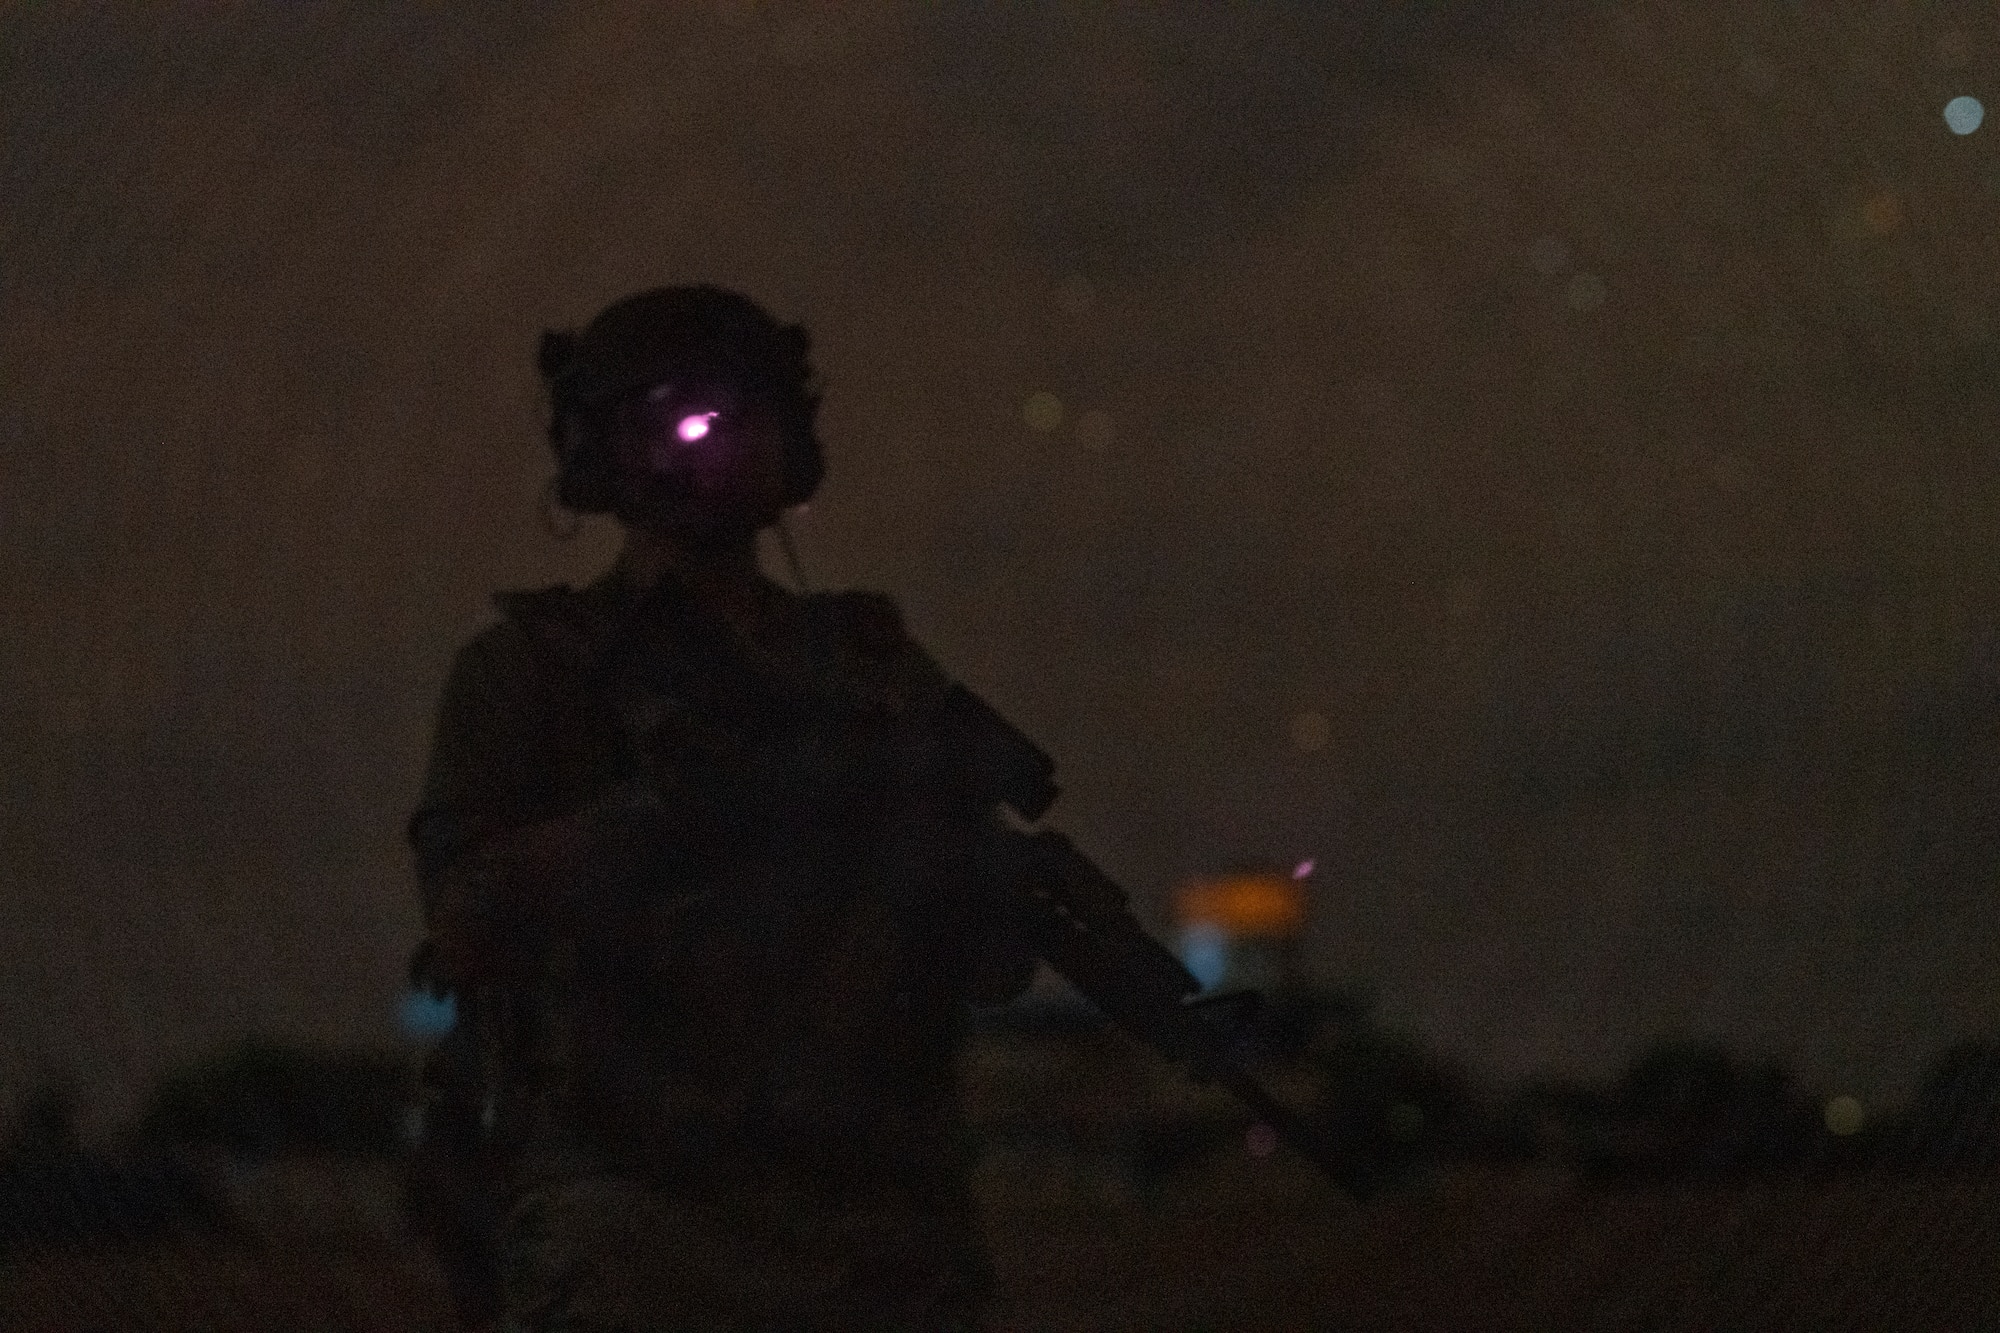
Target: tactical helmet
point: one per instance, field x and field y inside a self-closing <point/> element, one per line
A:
<point x="699" y="332"/>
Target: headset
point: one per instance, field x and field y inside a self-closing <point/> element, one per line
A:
<point x="694" y="334"/>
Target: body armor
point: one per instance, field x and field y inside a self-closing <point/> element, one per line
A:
<point x="772" y="1006"/>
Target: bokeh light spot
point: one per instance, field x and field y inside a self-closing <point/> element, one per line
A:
<point x="1963" y="114"/>
<point x="1243" y="905"/>
<point x="1584" y="292"/>
<point x="1845" y="1115"/>
<point x="1549" y="255"/>
<point x="694" y="427"/>
<point x="1095" y="430"/>
<point x="1310" y="730"/>
<point x="1302" y="869"/>
<point x="1261" y="1140"/>
<point x="1882" y="214"/>
<point x="1042" y="412"/>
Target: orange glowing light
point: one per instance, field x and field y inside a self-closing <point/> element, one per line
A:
<point x="1883" y="214"/>
<point x="1244" y="904"/>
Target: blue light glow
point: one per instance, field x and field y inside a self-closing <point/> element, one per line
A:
<point x="1205" y="951"/>
<point x="425" y="1017"/>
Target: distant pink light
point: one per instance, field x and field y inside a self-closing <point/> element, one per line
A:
<point x="1302" y="869"/>
<point x="692" y="428"/>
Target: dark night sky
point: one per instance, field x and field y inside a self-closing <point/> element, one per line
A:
<point x="1538" y="464"/>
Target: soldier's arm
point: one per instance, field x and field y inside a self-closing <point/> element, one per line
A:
<point x="500" y="867"/>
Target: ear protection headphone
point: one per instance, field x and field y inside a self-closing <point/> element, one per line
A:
<point x="701" y="332"/>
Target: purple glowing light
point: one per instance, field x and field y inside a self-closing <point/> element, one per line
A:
<point x="694" y="427"/>
<point x="1302" y="869"/>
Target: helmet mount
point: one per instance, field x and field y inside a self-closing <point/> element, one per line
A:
<point x="675" y="363"/>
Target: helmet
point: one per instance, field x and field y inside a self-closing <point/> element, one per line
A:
<point x="695" y="332"/>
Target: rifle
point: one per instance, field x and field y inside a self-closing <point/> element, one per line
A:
<point x="1083" y="928"/>
<point x="1075" y="917"/>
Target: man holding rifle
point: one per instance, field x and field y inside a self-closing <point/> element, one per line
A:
<point x="716" y="872"/>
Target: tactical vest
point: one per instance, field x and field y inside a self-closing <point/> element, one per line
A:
<point x="782" y="756"/>
<point x="811" y="777"/>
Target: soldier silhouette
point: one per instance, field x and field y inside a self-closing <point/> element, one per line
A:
<point x="687" y="869"/>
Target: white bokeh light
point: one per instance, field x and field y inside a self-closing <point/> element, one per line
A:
<point x="1043" y="412"/>
<point x="1963" y="114"/>
<point x="1845" y="1115"/>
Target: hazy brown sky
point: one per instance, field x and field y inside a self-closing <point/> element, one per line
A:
<point x="1539" y="465"/>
